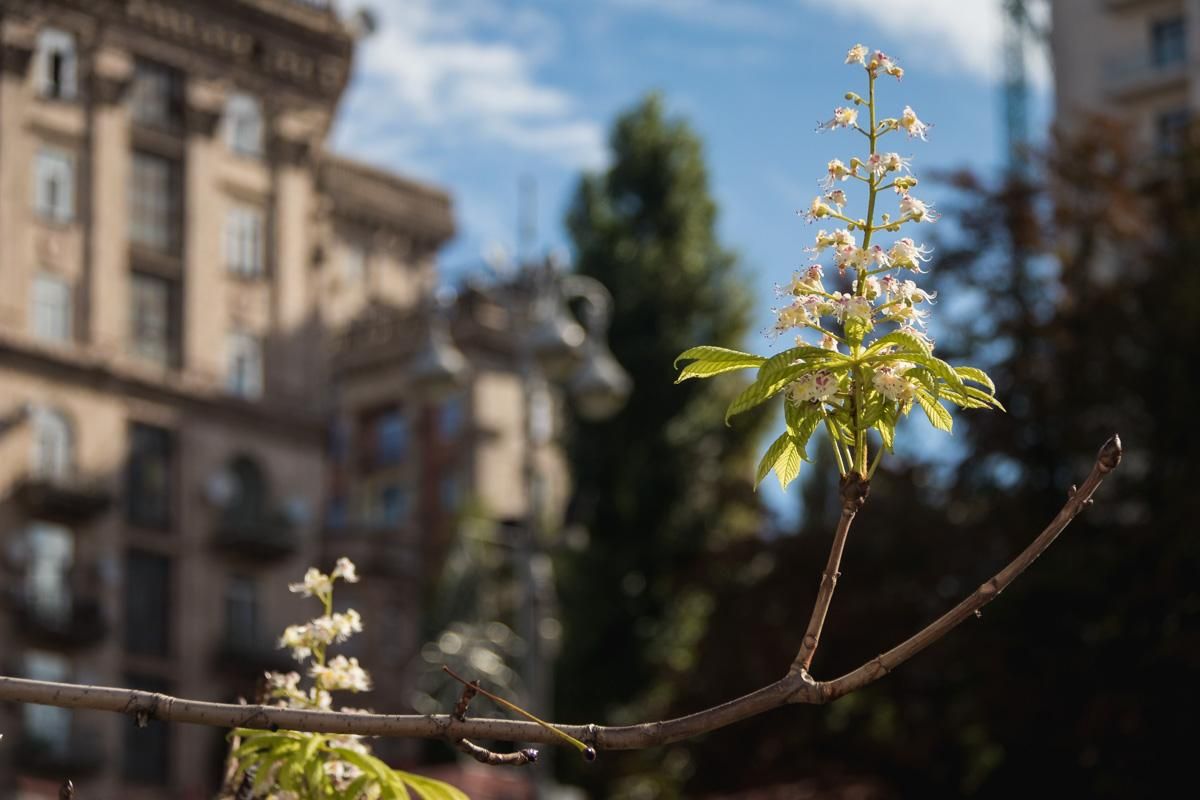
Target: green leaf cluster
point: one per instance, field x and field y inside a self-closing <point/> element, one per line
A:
<point x="292" y="761"/>
<point x="857" y="406"/>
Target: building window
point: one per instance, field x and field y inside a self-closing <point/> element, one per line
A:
<point x="54" y="185"/>
<point x="147" y="603"/>
<point x="148" y="477"/>
<point x="1168" y="42"/>
<point x="55" y="64"/>
<point x="48" y="726"/>
<point x="241" y="611"/>
<point x="156" y="97"/>
<point x="53" y="445"/>
<point x="244" y="365"/>
<point x="452" y="417"/>
<point x="51" y="552"/>
<point x="147" y="755"/>
<point x="155" y="200"/>
<point x="392" y="506"/>
<point x="154" y="319"/>
<point x="51" y="308"/>
<point x="385" y="438"/>
<point x="354" y="263"/>
<point x="243" y="125"/>
<point x="244" y="240"/>
<point x="1171" y="131"/>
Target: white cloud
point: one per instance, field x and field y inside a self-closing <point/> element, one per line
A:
<point x="455" y="67"/>
<point x="945" y="34"/>
<point x="728" y="15"/>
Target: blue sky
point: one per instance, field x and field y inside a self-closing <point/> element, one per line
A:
<point x="475" y="94"/>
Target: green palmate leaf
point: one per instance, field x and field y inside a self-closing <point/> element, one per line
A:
<point x="971" y="397"/>
<point x="904" y="341"/>
<point x="938" y="417"/>
<point x="803" y="421"/>
<point x="887" y="431"/>
<point x="709" y="361"/>
<point x="978" y="376"/>
<point x="433" y="790"/>
<point x="787" y="468"/>
<point x="773" y="454"/>
<point x="941" y="369"/>
<point x="765" y="387"/>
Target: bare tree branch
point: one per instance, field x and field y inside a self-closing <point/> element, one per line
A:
<point x="853" y="490"/>
<point x="796" y="687"/>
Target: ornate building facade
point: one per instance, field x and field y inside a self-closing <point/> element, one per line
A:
<point x="187" y="419"/>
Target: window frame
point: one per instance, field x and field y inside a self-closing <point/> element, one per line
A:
<point x="54" y="184"/>
<point x="155" y="202"/>
<point x="53" y="42"/>
<point x="51" y="318"/>
<point x="245" y="368"/>
<point x="245" y="242"/>
<point x="171" y="346"/>
<point x="244" y="125"/>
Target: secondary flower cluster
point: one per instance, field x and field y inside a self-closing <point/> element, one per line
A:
<point x="311" y="640"/>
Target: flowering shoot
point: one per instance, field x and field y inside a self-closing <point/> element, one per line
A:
<point x="869" y="362"/>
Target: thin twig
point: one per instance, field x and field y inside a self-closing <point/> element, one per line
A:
<point x="1106" y="461"/>
<point x="795" y="687"/>
<point x="853" y="490"/>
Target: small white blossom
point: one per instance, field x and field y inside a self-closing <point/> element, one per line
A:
<point x="843" y="117"/>
<point x="341" y="674"/>
<point x="892" y="385"/>
<point x="814" y="387"/>
<point x="906" y="254"/>
<point x="345" y="570"/>
<point x="837" y="198"/>
<point x="911" y="124"/>
<point x="836" y="171"/>
<point x="916" y="209"/>
<point x="893" y="162"/>
<point x="857" y="55"/>
<point x="315" y="583"/>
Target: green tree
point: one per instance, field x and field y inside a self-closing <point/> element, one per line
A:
<point x="666" y="480"/>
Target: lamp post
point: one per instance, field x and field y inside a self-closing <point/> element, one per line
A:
<point x="555" y="347"/>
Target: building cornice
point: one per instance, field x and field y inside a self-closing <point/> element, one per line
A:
<point x="361" y="192"/>
<point x="87" y="371"/>
<point x="278" y="46"/>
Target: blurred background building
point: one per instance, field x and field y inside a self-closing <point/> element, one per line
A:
<point x="210" y="329"/>
<point x="1131" y="59"/>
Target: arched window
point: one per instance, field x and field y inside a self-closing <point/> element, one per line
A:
<point x="248" y="501"/>
<point x="55" y="64"/>
<point x="53" y="444"/>
<point x="243" y="124"/>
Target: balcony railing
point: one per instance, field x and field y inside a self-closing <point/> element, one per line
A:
<point x="270" y="535"/>
<point x="71" y="500"/>
<point x="78" y="623"/>
<point x="1141" y="72"/>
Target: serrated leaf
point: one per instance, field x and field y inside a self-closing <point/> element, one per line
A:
<point x="887" y="432"/>
<point x="906" y="341"/>
<point x="938" y="417"/>
<point x="788" y="465"/>
<point x="710" y="361"/>
<point x="978" y="376"/>
<point x="431" y="789"/>
<point x="807" y="424"/>
<point x="708" y="352"/>
<point x="773" y="454"/>
<point x="941" y="369"/>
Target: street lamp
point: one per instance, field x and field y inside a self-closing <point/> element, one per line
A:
<point x="553" y="345"/>
<point x="438" y="368"/>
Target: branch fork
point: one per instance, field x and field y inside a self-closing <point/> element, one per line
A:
<point x="797" y="686"/>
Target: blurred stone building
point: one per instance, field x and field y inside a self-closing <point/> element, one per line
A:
<point x="206" y="323"/>
<point x="1133" y="59"/>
